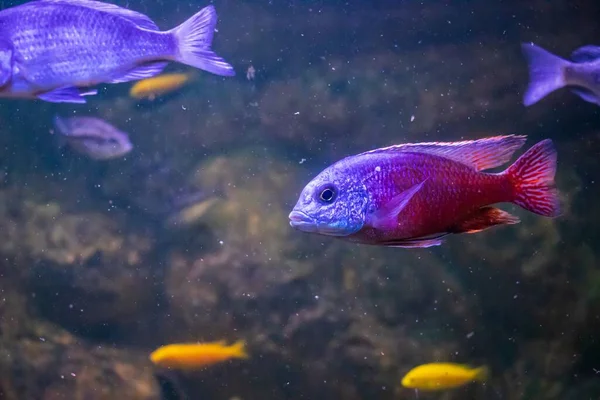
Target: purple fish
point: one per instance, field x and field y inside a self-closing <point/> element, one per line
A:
<point x="548" y="72"/>
<point x="412" y="195"/>
<point x="93" y="137"/>
<point x="55" y="50"/>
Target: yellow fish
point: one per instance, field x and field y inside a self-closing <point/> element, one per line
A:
<point x="197" y="355"/>
<point x="441" y="376"/>
<point x="157" y="85"/>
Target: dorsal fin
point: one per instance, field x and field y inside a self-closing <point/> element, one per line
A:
<point x="137" y="18"/>
<point x="480" y="154"/>
<point x="586" y="54"/>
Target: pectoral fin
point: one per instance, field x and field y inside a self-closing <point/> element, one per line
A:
<point x="140" y="72"/>
<point x="387" y="216"/>
<point x="484" y="218"/>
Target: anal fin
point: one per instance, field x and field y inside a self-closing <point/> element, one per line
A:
<point x="141" y="72"/>
<point x="69" y="94"/>
<point x="484" y="218"/>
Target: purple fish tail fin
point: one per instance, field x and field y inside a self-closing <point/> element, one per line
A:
<point x="546" y="73"/>
<point x="194" y="39"/>
<point x="532" y="177"/>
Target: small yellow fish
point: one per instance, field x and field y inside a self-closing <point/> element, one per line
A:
<point x="197" y="355"/>
<point x="441" y="376"/>
<point x="157" y="85"/>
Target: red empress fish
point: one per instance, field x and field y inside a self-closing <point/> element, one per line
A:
<point x="412" y="195"/>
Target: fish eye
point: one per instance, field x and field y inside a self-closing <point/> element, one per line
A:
<point x="327" y="194"/>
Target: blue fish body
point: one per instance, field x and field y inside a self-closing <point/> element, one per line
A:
<point x="56" y="49"/>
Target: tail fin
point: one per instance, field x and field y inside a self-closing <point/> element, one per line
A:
<point x="239" y="349"/>
<point x="532" y="177"/>
<point x="546" y="73"/>
<point x="194" y="39"/>
<point x="482" y="374"/>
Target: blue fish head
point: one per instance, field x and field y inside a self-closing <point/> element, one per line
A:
<point x="6" y="62"/>
<point x="331" y="204"/>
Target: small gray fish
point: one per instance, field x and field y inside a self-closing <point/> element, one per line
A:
<point x="548" y="72"/>
<point x="93" y="137"/>
<point x="55" y="50"/>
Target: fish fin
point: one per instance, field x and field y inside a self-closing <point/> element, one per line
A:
<point x="586" y="95"/>
<point x="139" y="19"/>
<point x="239" y="349"/>
<point x="481" y="374"/>
<point x="194" y="38"/>
<point x="387" y="216"/>
<point x="484" y="218"/>
<point x="480" y="154"/>
<point x="69" y="94"/>
<point x="415" y="243"/>
<point x="546" y="73"/>
<point x="586" y="54"/>
<point x="60" y="125"/>
<point x="141" y="72"/>
<point x="62" y="129"/>
<point x="532" y="177"/>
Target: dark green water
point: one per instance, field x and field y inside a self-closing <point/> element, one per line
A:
<point x="99" y="266"/>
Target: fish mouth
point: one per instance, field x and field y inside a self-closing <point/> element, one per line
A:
<point x="301" y="221"/>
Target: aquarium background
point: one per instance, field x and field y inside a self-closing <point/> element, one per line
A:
<point x="187" y="237"/>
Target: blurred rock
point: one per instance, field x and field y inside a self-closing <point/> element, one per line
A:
<point x="82" y="269"/>
<point x="39" y="360"/>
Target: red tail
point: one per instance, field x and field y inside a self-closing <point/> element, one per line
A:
<point x="532" y="176"/>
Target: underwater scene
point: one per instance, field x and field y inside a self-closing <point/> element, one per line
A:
<point x="299" y="199"/>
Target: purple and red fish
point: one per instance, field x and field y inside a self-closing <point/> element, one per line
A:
<point x="55" y="50"/>
<point x="412" y="195"/>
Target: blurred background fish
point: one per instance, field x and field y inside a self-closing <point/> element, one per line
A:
<point x="197" y="355"/>
<point x="443" y="376"/>
<point x="548" y="72"/>
<point x="150" y="88"/>
<point x="154" y="187"/>
<point x="92" y="137"/>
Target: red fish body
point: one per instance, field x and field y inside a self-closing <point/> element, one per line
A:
<point x="411" y="195"/>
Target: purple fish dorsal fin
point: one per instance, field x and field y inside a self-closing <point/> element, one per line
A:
<point x="386" y="218"/>
<point x="586" y="54"/>
<point x="480" y="154"/>
<point x="137" y="18"/>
